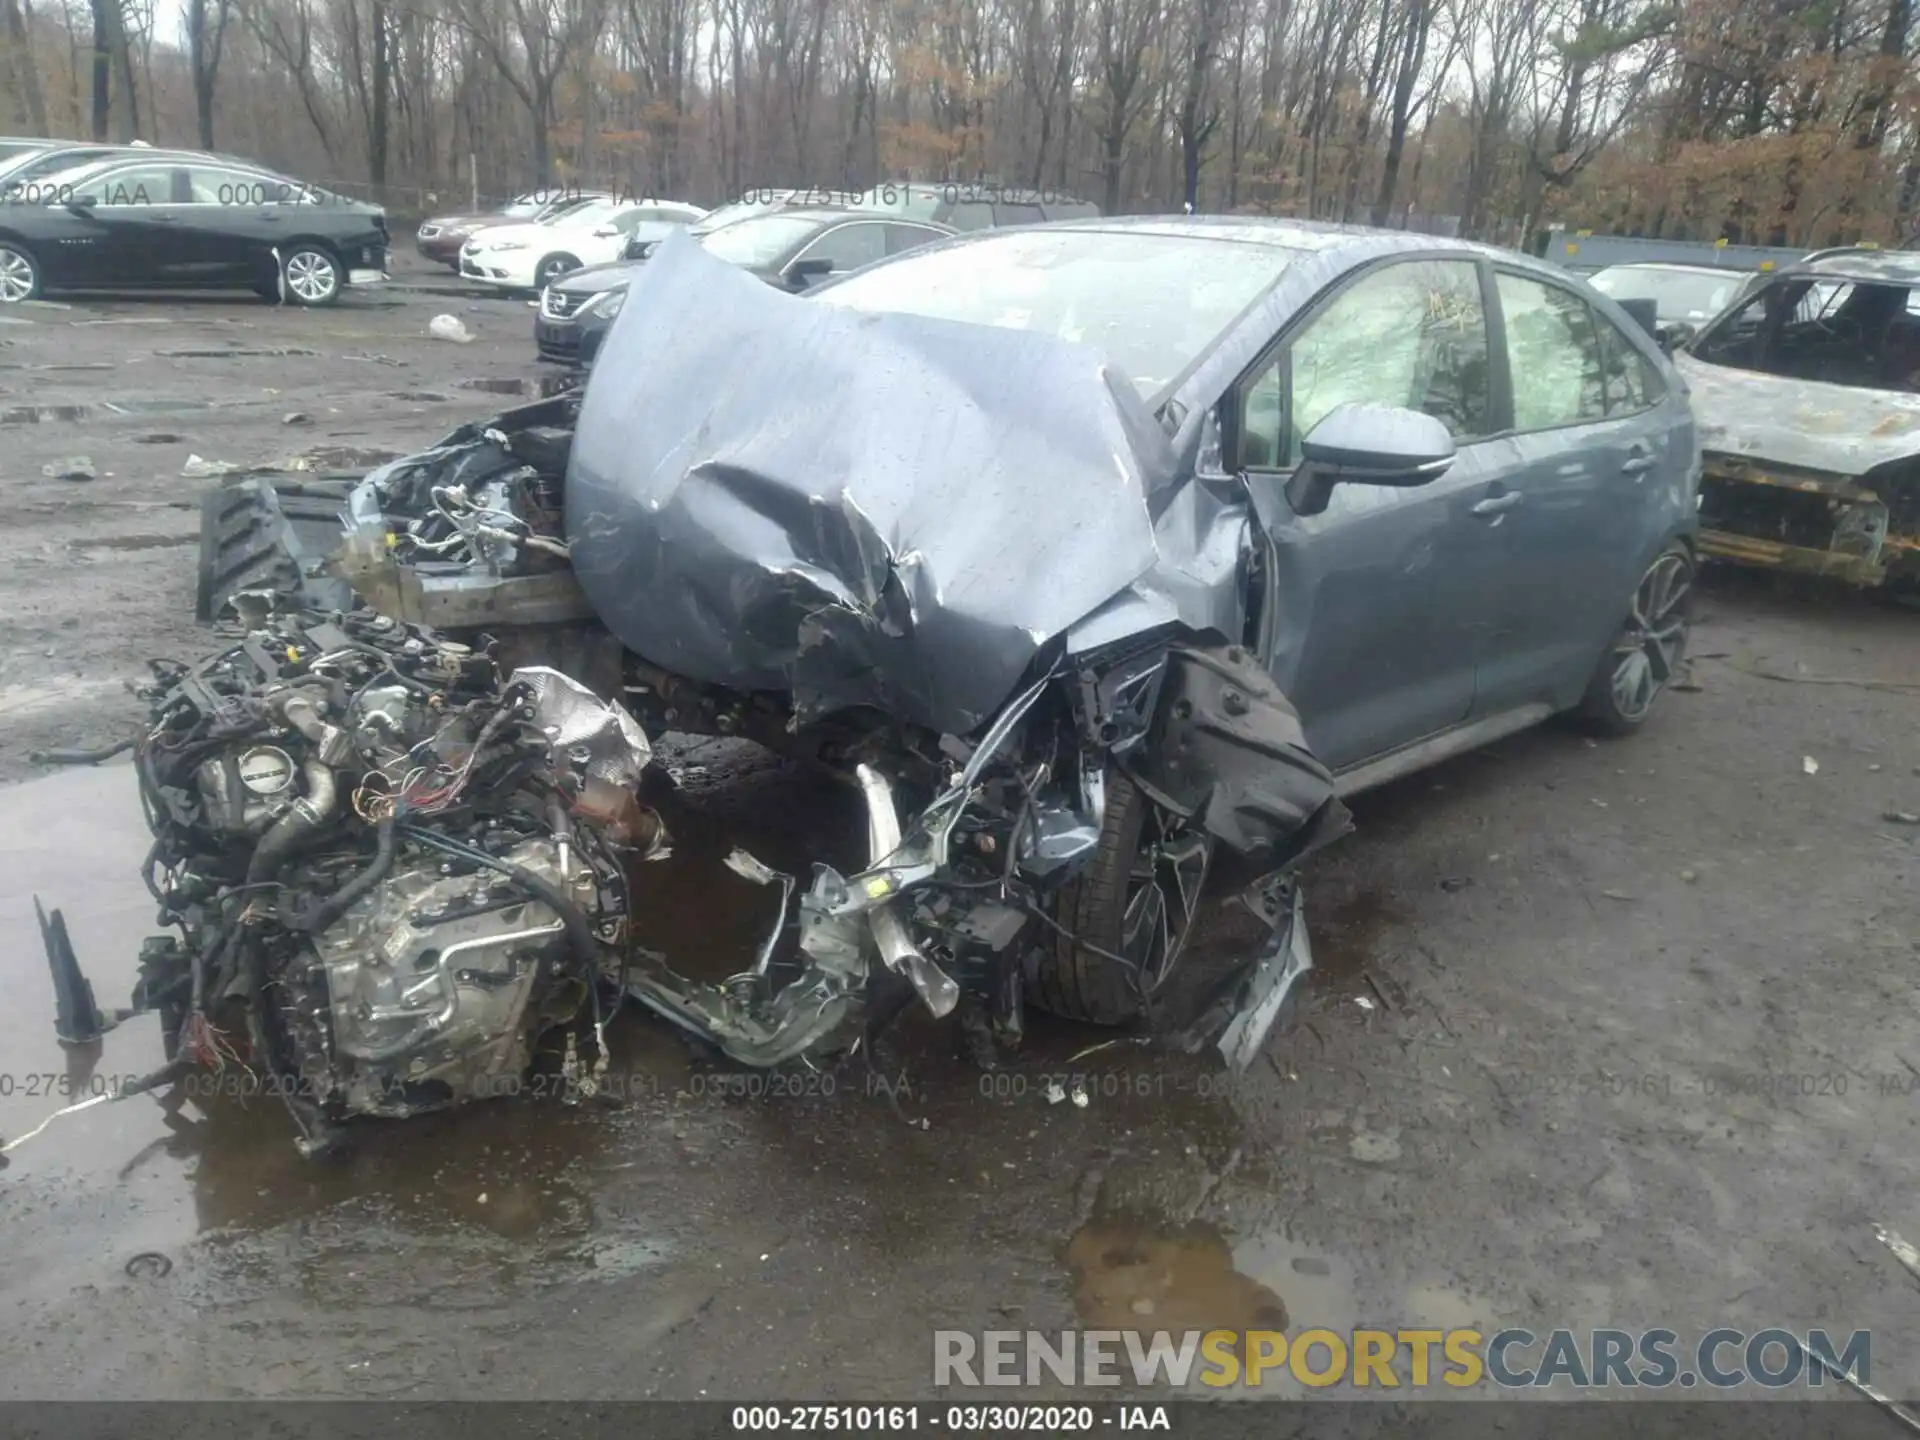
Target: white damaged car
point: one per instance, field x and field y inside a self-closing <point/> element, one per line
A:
<point x="528" y="257"/>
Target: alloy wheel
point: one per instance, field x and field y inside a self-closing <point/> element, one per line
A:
<point x="1163" y="895"/>
<point x="312" y="276"/>
<point x="550" y="272"/>
<point x="1655" y="637"/>
<point x="16" y="276"/>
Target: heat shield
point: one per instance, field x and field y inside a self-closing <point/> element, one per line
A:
<point x="774" y="492"/>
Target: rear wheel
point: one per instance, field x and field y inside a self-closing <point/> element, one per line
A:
<point x="1646" y="653"/>
<point x="19" y="273"/>
<point x="1130" y="913"/>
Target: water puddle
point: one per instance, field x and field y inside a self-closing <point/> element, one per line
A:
<point x="1128" y="1275"/>
<point x="541" y="387"/>
<point x="1148" y="1277"/>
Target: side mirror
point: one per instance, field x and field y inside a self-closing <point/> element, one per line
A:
<point x="802" y="273"/>
<point x="82" y="204"/>
<point x="1367" y="445"/>
<point x="1645" y="314"/>
<point x="636" y="249"/>
<point x="1675" y="335"/>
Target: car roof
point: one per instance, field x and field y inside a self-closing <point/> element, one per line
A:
<point x="121" y="154"/>
<point x="1861" y="264"/>
<point x="1717" y="271"/>
<point x="978" y="192"/>
<point x="1322" y="236"/>
<point x="849" y="212"/>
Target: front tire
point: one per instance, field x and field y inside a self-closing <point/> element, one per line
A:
<point x="552" y="267"/>
<point x="19" y="273"/>
<point x="1136" y="901"/>
<point x="310" y="275"/>
<point x="1646" y="653"/>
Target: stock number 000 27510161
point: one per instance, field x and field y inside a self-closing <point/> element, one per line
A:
<point x="959" y="1419"/>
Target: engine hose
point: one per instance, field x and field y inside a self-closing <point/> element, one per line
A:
<point x="83" y="757"/>
<point x="335" y="905"/>
<point x="305" y="817"/>
<point x="580" y="936"/>
<point x="296" y="707"/>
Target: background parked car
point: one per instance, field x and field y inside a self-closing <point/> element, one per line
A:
<point x="1687" y="295"/>
<point x="528" y="257"/>
<point x="968" y="206"/>
<point x="791" y="247"/>
<point x="163" y="220"/>
<point x="440" y="237"/>
<point x="1806" y="393"/>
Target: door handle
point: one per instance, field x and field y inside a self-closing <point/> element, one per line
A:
<point x="1639" y="460"/>
<point x="1498" y="504"/>
<point x="166" y="219"/>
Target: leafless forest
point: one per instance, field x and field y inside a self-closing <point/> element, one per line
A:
<point x="1783" y="121"/>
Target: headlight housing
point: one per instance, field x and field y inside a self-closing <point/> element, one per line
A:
<point x="607" y="303"/>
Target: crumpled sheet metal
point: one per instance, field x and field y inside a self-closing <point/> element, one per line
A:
<point x="1844" y="429"/>
<point x="773" y="492"/>
<point x="573" y="716"/>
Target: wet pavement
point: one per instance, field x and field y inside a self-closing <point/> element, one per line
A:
<point x="1600" y="1034"/>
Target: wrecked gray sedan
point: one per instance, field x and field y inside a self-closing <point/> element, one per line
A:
<point x="1084" y="551"/>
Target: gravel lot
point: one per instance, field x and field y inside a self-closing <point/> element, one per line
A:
<point x="1601" y="1034"/>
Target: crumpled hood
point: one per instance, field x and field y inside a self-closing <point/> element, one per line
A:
<point x="1844" y="429"/>
<point x="773" y="492"/>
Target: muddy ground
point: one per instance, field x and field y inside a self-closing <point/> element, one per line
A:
<point x="1601" y="1034"/>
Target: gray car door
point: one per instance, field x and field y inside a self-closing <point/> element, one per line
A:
<point x="1569" y="552"/>
<point x="1377" y="607"/>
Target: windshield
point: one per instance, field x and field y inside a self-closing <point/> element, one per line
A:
<point x="1152" y="302"/>
<point x="1676" y="294"/>
<point x="586" y="212"/>
<point x="758" y="242"/>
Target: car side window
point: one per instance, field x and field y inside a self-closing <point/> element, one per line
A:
<point x="1632" y="382"/>
<point x="209" y="185"/>
<point x="848" y="246"/>
<point x="1010" y="214"/>
<point x="971" y="215"/>
<point x="1553" y="355"/>
<point x="902" y="238"/>
<point x="1413" y="335"/>
<point x="136" y="185"/>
